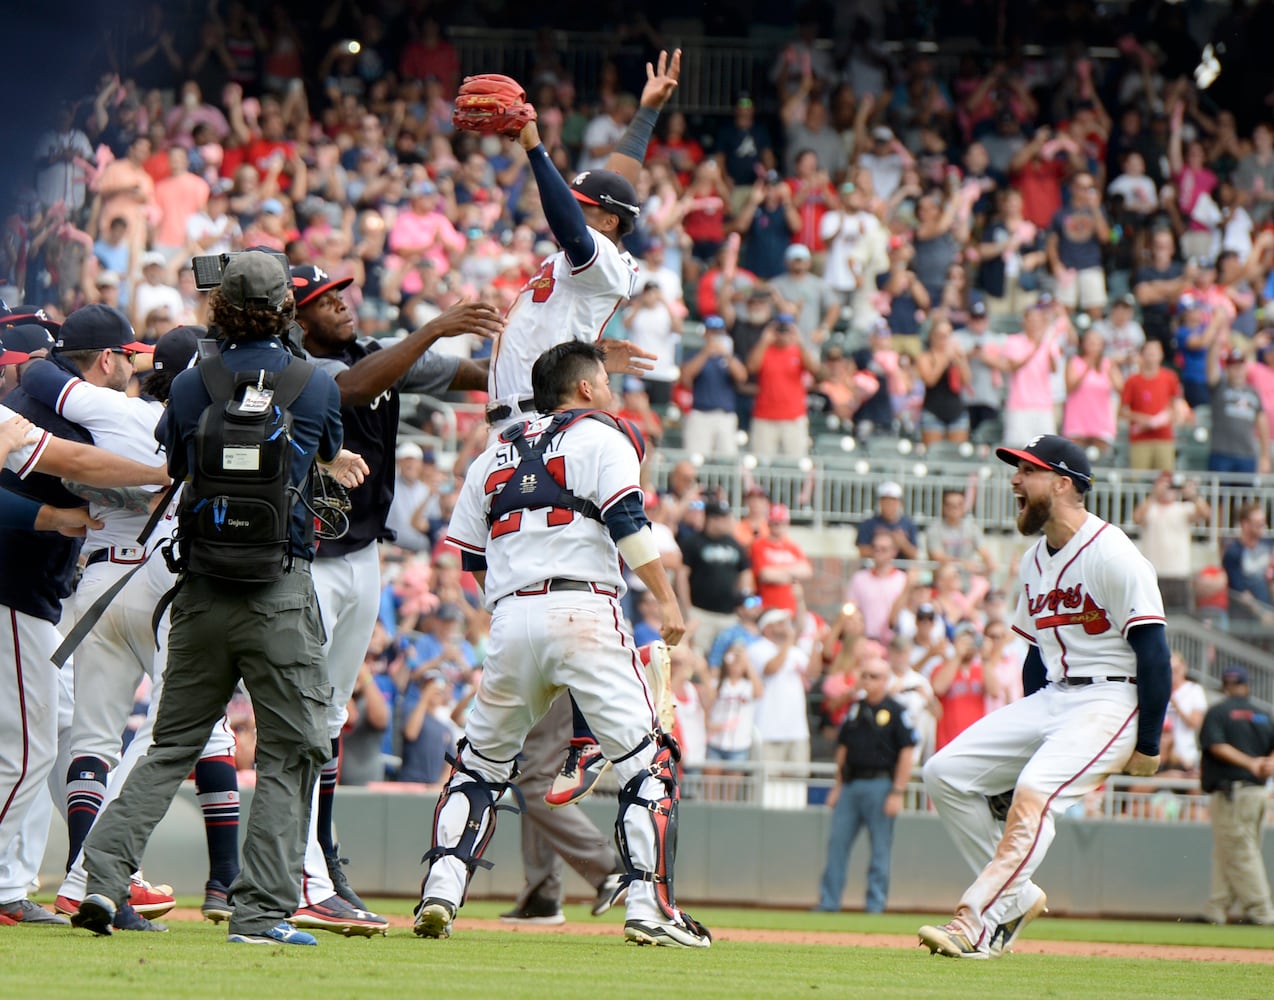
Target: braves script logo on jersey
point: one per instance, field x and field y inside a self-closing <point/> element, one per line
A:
<point x="1088" y="614"/>
<point x="541" y="283"/>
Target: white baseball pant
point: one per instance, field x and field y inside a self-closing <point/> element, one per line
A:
<point x="348" y="592"/>
<point x="128" y="621"/>
<point x="28" y="735"/>
<point x="1052" y="748"/>
<point x="539" y="647"/>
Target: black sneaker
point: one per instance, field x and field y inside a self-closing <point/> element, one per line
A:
<point x="128" y="919"/>
<point x="216" y="902"/>
<point x="610" y="892"/>
<point x="96" y="913"/>
<point x="536" y="910"/>
<point x="336" y="872"/>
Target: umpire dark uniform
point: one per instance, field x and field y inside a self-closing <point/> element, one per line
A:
<point x="874" y="754"/>
<point x="1237" y="740"/>
<point x="269" y="634"/>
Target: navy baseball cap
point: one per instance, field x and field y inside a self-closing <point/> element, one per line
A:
<point x="1055" y="453"/>
<point x="175" y="348"/>
<point x="99" y="327"/>
<point x="27" y="338"/>
<point x="1234" y="675"/>
<point x="309" y="282"/>
<point x="610" y="191"/>
<point x="20" y="315"/>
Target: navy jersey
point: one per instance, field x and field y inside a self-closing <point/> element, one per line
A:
<point x="39" y="566"/>
<point x="371" y="430"/>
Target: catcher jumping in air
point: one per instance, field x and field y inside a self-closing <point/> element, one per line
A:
<point x="576" y="290"/>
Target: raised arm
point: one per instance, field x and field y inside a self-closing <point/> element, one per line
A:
<point x="661" y="83"/>
<point x="563" y="212"/>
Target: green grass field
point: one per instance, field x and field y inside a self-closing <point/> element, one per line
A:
<point x="193" y="961"/>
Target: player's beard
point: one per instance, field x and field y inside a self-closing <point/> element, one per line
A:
<point x="1032" y="518"/>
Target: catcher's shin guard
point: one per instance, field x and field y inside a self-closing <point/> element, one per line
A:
<point x="656" y="792"/>
<point x="463" y="828"/>
<point x="657" y="663"/>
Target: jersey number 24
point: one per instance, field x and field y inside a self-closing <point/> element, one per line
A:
<point x="512" y="521"/>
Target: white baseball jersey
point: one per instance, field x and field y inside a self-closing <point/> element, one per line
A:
<point x="525" y="547"/>
<point x="1078" y="604"/>
<point x="22" y="460"/>
<point x="123" y="425"/>
<point x="559" y="303"/>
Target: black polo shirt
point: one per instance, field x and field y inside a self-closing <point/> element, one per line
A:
<point x="874" y="735"/>
<point x="1245" y="727"/>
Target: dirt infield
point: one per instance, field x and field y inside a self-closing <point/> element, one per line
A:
<point x="831" y="939"/>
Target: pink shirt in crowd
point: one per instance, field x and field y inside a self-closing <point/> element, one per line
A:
<point x="1090" y="406"/>
<point x="875" y="596"/>
<point x="178" y="198"/>
<point x="431" y="234"/>
<point x="1030" y="387"/>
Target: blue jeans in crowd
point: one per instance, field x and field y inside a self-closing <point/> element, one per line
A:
<point x="861" y="803"/>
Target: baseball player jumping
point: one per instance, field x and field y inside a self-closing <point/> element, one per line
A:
<point x="573" y="296"/>
<point x="542" y="521"/>
<point x="1098" y="678"/>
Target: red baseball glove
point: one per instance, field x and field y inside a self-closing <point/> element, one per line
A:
<point x="493" y="104"/>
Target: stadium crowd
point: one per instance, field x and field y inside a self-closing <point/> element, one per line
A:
<point x="918" y="246"/>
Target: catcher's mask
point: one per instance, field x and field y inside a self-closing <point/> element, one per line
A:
<point x="610" y="191"/>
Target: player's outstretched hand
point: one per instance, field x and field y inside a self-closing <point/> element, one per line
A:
<point x="467" y="317"/>
<point x="673" y="627"/>
<point x="1141" y="766"/>
<point x="73" y="522"/>
<point x="347" y="468"/>
<point x="661" y="80"/>
<point x="627" y="358"/>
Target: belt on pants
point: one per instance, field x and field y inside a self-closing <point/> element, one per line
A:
<point x="129" y="555"/>
<point x="866" y="773"/>
<point x="1076" y="682"/>
<point x="502" y="411"/>
<point x="559" y="583"/>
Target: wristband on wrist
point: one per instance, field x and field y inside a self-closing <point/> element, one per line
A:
<point x="636" y="137"/>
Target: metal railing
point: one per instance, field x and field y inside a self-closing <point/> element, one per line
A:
<point x="828" y="491"/>
<point x="792" y="787"/>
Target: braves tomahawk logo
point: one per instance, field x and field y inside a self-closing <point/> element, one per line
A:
<point x="1068" y="607"/>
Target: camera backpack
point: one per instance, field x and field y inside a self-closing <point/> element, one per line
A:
<point x="236" y="511"/>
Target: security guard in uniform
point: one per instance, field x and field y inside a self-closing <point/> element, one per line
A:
<point x="875" y="750"/>
<point x="1237" y="740"/>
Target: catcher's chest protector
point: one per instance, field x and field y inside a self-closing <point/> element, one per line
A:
<point x="533" y="483"/>
<point x="236" y="512"/>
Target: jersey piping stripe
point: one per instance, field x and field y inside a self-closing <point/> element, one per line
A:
<point x="1044" y="812"/>
<point x="34" y="460"/>
<point x="1028" y="638"/>
<point x="1057" y="585"/>
<point x="66" y="391"/>
<point x="22" y="707"/>
<point x="597" y="252"/>
<point x="619" y="496"/>
<point x="601" y="330"/>
<point x="465" y="545"/>
<point x="1141" y="620"/>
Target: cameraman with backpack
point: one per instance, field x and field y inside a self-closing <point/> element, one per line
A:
<point x="244" y="604"/>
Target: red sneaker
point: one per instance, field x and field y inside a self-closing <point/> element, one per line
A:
<point x="584" y="765"/>
<point x="148" y="900"/>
